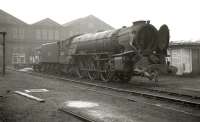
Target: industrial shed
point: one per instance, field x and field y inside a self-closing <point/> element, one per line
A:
<point x="23" y="38"/>
<point x="185" y="56"/>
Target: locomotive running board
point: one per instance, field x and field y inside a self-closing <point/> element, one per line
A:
<point x="125" y="53"/>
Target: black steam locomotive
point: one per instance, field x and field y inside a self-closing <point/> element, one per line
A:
<point x="108" y="56"/>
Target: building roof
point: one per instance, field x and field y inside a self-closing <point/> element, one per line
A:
<point x="90" y="18"/>
<point x="6" y="18"/>
<point x="46" y="22"/>
<point x="184" y="43"/>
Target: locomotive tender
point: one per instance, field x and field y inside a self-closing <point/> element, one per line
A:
<point x="108" y="56"/>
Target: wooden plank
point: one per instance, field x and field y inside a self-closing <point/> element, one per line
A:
<point x="36" y="90"/>
<point x="29" y="96"/>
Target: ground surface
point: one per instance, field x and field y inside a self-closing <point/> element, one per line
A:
<point x="15" y="108"/>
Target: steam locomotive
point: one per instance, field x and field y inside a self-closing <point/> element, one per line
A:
<point x="114" y="55"/>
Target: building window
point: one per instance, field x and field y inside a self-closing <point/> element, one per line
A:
<point x="14" y="59"/>
<point x="50" y="35"/>
<point x="38" y="34"/>
<point x="22" y="59"/>
<point x="44" y="34"/>
<point x="21" y="33"/>
<point x="18" y="58"/>
<point x="56" y="35"/>
<point x="18" y="33"/>
<point x="14" y="30"/>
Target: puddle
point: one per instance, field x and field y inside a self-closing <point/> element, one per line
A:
<point x="36" y="90"/>
<point x="159" y="105"/>
<point x="25" y="69"/>
<point x="95" y="111"/>
<point x="81" y="104"/>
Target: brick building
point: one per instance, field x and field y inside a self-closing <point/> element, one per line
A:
<point x="22" y="38"/>
<point x="15" y="37"/>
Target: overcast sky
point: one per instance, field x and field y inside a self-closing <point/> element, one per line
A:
<point x="182" y="16"/>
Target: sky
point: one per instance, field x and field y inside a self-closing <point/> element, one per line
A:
<point x="182" y="16"/>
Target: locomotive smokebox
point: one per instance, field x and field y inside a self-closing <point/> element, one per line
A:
<point x="142" y="36"/>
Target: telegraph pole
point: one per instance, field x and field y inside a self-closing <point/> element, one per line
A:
<point x="4" y="50"/>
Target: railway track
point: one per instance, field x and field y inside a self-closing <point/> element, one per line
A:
<point x="179" y="99"/>
<point x="165" y="95"/>
<point x="173" y="96"/>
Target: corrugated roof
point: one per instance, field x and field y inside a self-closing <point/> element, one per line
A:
<point x="185" y="43"/>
